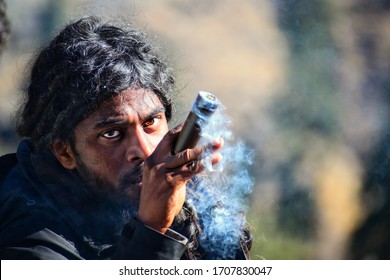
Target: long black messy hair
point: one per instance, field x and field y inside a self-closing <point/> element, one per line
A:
<point x="88" y="62"/>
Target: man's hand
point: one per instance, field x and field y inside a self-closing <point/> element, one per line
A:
<point x="164" y="178"/>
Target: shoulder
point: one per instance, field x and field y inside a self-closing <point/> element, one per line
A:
<point x="22" y="210"/>
<point x="29" y="229"/>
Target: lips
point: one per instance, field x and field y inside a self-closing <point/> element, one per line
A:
<point x="134" y="177"/>
<point x="138" y="180"/>
<point x="130" y="185"/>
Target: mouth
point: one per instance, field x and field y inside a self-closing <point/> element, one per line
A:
<point x="133" y="179"/>
<point x="138" y="181"/>
<point x="139" y="177"/>
<point x="130" y="184"/>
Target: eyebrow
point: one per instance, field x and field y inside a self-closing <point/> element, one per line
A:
<point x="109" y="121"/>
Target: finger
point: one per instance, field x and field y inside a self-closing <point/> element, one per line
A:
<point x="187" y="171"/>
<point x="190" y="169"/>
<point x="216" y="158"/>
<point x="165" y="145"/>
<point x="188" y="155"/>
<point x="197" y="166"/>
<point x="214" y="146"/>
<point x="169" y="138"/>
<point x="193" y="166"/>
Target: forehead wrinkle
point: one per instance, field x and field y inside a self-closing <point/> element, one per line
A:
<point x="144" y="103"/>
<point x="125" y="107"/>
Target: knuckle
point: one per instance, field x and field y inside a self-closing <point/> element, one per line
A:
<point x="157" y="169"/>
<point x="169" y="179"/>
<point x="174" y="131"/>
<point x="187" y="155"/>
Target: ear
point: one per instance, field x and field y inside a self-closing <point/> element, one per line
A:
<point x="64" y="154"/>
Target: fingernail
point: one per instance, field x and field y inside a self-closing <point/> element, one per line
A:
<point x="217" y="142"/>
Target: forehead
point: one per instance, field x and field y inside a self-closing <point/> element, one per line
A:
<point x="131" y="99"/>
<point x="129" y="102"/>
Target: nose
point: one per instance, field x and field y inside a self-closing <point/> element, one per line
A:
<point x="141" y="146"/>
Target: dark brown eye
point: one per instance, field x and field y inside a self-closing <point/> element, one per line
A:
<point x="152" y="121"/>
<point x="111" y="134"/>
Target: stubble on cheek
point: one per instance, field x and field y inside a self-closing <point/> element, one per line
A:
<point x="126" y="191"/>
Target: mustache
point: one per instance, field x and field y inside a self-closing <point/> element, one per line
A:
<point x="132" y="177"/>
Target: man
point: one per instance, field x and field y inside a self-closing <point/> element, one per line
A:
<point x="95" y="178"/>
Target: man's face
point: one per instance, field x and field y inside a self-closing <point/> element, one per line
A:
<point x="113" y="142"/>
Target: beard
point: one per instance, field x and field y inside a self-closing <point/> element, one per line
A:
<point x="117" y="204"/>
<point x="127" y="192"/>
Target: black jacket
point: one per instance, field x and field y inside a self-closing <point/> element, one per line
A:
<point x="46" y="213"/>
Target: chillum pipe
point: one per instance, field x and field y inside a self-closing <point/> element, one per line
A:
<point x="202" y="109"/>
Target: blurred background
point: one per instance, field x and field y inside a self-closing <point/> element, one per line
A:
<point x="306" y="84"/>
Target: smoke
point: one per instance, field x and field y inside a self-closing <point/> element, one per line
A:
<point x="220" y="193"/>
